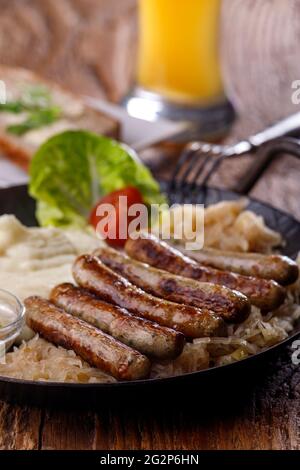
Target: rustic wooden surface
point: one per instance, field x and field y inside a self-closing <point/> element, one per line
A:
<point x="264" y="417"/>
<point x="260" y="60"/>
<point x="268" y="416"/>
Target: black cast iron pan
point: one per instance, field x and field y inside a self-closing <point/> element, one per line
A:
<point x="16" y="201"/>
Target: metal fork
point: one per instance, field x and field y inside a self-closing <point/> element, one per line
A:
<point x="199" y="160"/>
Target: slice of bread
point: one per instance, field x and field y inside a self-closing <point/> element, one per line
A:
<point x="75" y="114"/>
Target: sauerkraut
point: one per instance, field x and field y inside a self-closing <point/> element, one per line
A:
<point x="253" y="335"/>
<point x="38" y="360"/>
<point x="227" y="226"/>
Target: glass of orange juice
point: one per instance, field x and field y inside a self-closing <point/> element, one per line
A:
<point x="178" y="68"/>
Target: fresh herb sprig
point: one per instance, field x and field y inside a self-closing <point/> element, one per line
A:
<point x="36" y="119"/>
<point x="15" y="107"/>
<point x="36" y="101"/>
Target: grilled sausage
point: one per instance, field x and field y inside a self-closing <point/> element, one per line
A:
<point x="279" y="268"/>
<point x="90" y="273"/>
<point x="230" y="305"/>
<point x="147" y="337"/>
<point x="94" y="346"/>
<point x="147" y="248"/>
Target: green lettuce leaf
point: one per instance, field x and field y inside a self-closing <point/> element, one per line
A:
<point x="72" y="170"/>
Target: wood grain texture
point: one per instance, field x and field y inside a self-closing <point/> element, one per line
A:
<point x="67" y="430"/>
<point x="19" y="427"/>
<point x="260" y="57"/>
<point x="260" y="60"/>
<point x="267" y="416"/>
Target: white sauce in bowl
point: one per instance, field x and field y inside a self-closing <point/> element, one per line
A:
<point x="6" y="316"/>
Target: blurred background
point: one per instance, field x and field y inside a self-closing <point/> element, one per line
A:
<point x="250" y="54"/>
<point x="90" y="46"/>
<point x="87" y="45"/>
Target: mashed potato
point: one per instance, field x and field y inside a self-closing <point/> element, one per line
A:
<point x="34" y="260"/>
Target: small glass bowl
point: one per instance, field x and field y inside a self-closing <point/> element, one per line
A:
<point x="12" y="319"/>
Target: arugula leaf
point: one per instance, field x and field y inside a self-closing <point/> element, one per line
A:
<point x="35" y="120"/>
<point x="72" y="170"/>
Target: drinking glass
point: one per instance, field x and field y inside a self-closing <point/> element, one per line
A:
<point x="178" y="67"/>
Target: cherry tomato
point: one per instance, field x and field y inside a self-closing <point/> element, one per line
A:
<point x="113" y="224"/>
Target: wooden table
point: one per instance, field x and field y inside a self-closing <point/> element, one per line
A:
<point x="268" y="416"/>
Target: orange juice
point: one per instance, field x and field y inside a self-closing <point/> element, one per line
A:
<point x="178" y="50"/>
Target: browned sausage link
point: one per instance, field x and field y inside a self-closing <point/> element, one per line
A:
<point x="267" y="295"/>
<point x="94" y="346"/>
<point x="230" y="305"/>
<point x="147" y="337"/>
<point x="279" y="268"/>
<point x="90" y="273"/>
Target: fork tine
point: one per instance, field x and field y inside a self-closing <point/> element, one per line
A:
<point x="196" y="165"/>
<point x="202" y="166"/>
<point x="217" y="162"/>
<point x="190" y="167"/>
<point x="200" y="160"/>
<point x="216" y="152"/>
<point x="185" y="173"/>
<point x="187" y="153"/>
